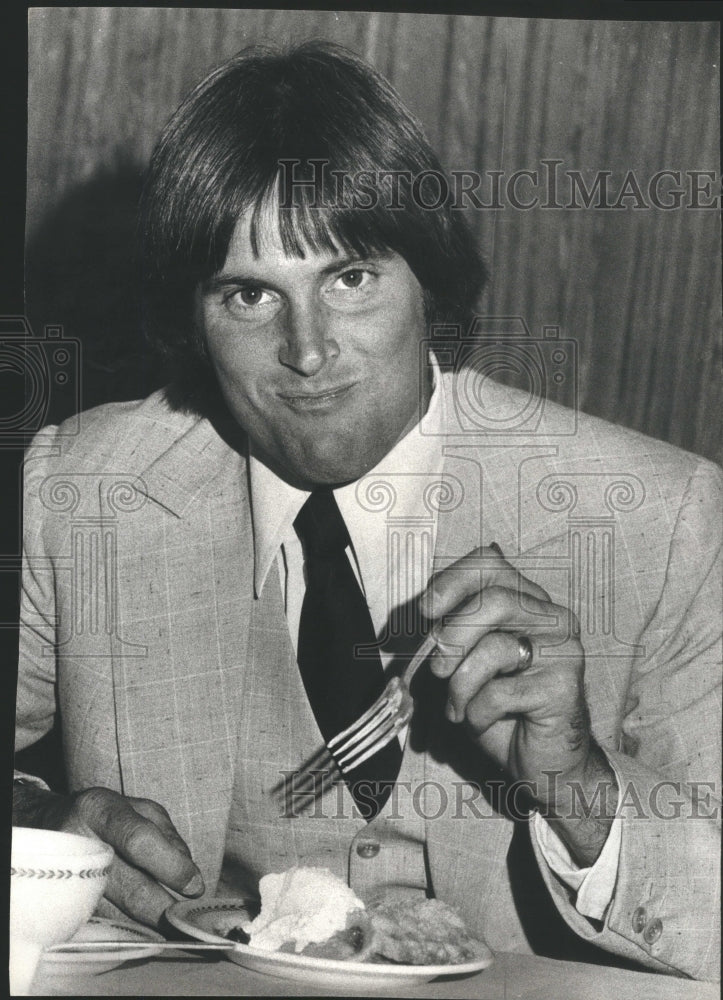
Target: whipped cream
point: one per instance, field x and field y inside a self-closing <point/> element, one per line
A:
<point x="301" y="905"/>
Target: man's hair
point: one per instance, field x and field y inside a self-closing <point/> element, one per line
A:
<point x="326" y="115"/>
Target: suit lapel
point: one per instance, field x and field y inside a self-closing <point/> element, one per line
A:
<point x="188" y="466"/>
<point x="185" y="590"/>
<point x="487" y="474"/>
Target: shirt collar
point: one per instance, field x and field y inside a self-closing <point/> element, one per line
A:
<point x="275" y="503"/>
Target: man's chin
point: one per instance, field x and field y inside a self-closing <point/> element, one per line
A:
<point x="313" y="472"/>
<point x="333" y="475"/>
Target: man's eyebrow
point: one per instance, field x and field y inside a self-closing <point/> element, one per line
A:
<point x="218" y="281"/>
<point x="225" y="280"/>
<point x="356" y="259"/>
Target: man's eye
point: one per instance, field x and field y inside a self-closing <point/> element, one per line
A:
<point x="355" y="277"/>
<point x="251" y="304"/>
<point x="250" y="296"/>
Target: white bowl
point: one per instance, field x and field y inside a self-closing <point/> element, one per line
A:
<point x="56" y="881"/>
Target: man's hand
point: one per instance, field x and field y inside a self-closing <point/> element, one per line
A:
<point x="530" y="721"/>
<point x="150" y="854"/>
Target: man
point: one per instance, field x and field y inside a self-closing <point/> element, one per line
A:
<point x="180" y="562"/>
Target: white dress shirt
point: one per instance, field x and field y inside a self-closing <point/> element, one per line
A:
<point x="274" y="506"/>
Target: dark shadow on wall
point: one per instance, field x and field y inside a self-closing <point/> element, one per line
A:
<point x="81" y="274"/>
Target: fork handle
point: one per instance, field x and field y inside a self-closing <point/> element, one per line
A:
<point x="418" y="659"/>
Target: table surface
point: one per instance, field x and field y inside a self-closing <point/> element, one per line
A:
<point x="512" y="977"/>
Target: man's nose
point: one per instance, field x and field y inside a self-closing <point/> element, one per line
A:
<point x="306" y="343"/>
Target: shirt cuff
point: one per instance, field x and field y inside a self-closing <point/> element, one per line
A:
<point x="595" y="886"/>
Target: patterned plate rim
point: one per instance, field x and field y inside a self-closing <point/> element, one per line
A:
<point x="184" y="909"/>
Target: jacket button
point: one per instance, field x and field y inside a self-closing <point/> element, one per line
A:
<point x="640" y="918"/>
<point x="368" y="849"/>
<point x="653" y="931"/>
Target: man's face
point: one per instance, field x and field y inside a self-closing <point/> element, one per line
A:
<point x="317" y="357"/>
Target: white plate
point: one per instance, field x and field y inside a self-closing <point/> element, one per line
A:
<point x="103" y="929"/>
<point x="201" y="921"/>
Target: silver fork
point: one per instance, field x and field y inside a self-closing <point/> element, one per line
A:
<point x="389" y="714"/>
<point x="376" y="727"/>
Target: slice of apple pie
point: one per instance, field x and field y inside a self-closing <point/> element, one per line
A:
<point x="422" y="932"/>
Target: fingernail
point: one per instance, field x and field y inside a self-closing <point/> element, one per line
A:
<point x="195" y="887"/>
<point x="451" y="712"/>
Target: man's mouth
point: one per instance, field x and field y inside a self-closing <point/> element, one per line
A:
<point x="318" y="399"/>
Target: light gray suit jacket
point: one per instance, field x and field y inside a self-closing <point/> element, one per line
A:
<point x="175" y="682"/>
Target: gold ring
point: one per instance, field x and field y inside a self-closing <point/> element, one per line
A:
<point x="525" y="656"/>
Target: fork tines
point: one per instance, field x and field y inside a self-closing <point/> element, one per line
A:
<point x="368" y="734"/>
<point x="389" y="714"/>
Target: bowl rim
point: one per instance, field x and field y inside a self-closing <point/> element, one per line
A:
<point x="75" y="848"/>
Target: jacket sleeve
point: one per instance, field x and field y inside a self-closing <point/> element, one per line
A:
<point x="665" y="910"/>
<point x="37" y="660"/>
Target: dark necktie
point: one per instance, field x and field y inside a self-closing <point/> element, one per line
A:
<point x="341" y="684"/>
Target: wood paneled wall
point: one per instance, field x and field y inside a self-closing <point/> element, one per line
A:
<point x="639" y="289"/>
